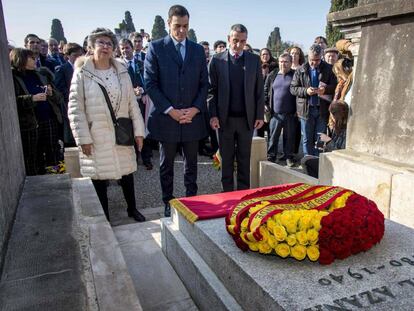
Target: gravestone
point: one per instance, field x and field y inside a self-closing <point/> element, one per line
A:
<point x="12" y="170"/>
<point x="219" y="276"/>
<point x="380" y="136"/>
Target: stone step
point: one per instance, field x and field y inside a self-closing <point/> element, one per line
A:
<point x="156" y="283"/>
<point x="376" y="280"/>
<point x="205" y="288"/>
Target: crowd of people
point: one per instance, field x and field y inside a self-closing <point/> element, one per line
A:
<point x="180" y="98"/>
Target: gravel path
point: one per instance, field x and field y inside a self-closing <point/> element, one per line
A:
<point x="148" y="189"/>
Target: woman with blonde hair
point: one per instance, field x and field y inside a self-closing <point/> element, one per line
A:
<point x="343" y="72"/>
<point x="101" y="90"/>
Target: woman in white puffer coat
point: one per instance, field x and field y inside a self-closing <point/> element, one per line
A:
<point x="101" y="158"/>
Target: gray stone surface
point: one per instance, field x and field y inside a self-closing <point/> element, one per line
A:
<point x="42" y="269"/>
<point x="105" y="272"/>
<point x="205" y="288"/>
<point x="275" y="174"/>
<point x="157" y="285"/>
<point x="12" y="169"/>
<point x="258" y="282"/>
<point x="402" y="198"/>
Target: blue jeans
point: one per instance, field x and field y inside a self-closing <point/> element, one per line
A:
<point x="310" y="129"/>
<point x="278" y="122"/>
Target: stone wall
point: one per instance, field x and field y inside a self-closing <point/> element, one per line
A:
<point x="12" y="172"/>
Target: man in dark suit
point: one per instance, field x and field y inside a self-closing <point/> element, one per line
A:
<point x="32" y="42"/>
<point x="63" y="78"/>
<point x="236" y="104"/>
<point x="136" y="73"/>
<point x="137" y="42"/>
<point x="177" y="83"/>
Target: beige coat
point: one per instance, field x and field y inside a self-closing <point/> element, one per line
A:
<point x="91" y="123"/>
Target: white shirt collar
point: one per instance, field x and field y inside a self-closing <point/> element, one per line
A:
<point x="232" y="53"/>
<point x="183" y="43"/>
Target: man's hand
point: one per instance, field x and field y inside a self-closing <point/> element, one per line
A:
<point x="258" y="124"/>
<point x="175" y="114"/>
<point x="188" y="115"/>
<point x="311" y="91"/>
<point x="325" y="138"/>
<point x="139" y="140"/>
<point x="214" y="123"/>
<point x="87" y="149"/>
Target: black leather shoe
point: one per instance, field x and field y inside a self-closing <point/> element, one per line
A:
<point x="167" y="210"/>
<point x="136" y="215"/>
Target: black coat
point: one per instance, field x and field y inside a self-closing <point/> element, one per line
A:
<point x="301" y="82"/>
<point x="25" y="104"/>
<point x="219" y="92"/>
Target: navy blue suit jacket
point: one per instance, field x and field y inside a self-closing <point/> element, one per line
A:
<point x="63" y="77"/>
<point x="172" y="83"/>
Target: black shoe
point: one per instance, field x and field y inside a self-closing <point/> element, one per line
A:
<point x="167" y="210"/>
<point x="148" y="166"/>
<point x="136" y="215"/>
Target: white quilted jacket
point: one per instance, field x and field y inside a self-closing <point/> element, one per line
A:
<point x="91" y="123"/>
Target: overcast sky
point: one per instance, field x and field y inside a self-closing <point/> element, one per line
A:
<point x="299" y="21"/>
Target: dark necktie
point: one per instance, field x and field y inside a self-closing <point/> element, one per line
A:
<point x="178" y="47"/>
<point x="236" y="55"/>
<point x="38" y="64"/>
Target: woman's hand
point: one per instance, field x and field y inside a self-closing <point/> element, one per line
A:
<point x="139" y="140"/>
<point x="87" y="149"/>
<point x="325" y="138"/>
<point x="49" y="90"/>
<point x="39" y="97"/>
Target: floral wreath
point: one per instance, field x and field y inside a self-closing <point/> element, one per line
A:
<point x="321" y="223"/>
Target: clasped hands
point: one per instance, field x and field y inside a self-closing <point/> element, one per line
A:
<point x="183" y="116"/>
<point x="43" y="95"/>
<point x="315" y="91"/>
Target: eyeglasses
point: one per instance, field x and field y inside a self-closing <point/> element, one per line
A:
<point x="104" y="43"/>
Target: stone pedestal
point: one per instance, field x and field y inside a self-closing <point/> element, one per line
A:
<point x="379" y="158"/>
<point x="258" y="153"/>
<point x="72" y="162"/>
<point x="219" y="276"/>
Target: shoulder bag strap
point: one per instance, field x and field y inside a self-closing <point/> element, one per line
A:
<point x="108" y="101"/>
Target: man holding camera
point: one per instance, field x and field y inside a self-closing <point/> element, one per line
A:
<point x="313" y="84"/>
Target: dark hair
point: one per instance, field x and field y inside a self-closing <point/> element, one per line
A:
<point x="71" y="47"/>
<point x="177" y="10"/>
<point x="30" y="35"/>
<point x="301" y="54"/>
<point x="134" y="35"/>
<point x="204" y="43"/>
<point x="339" y="110"/>
<point x="124" y="41"/>
<point x="272" y="59"/>
<point x="219" y="42"/>
<point x="18" y="58"/>
<point x="238" y="28"/>
<point x="320" y="38"/>
<point x="248" y="48"/>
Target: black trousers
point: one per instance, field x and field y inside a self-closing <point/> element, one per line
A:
<point x="167" y="155"/>
<point x="235" y="141"/>
<point x="127" y="184"/>
<point x="29" y="143"/>
<point x="48" y="146"/>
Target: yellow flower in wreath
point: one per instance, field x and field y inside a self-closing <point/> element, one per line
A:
<point x="312" y="252"/>
<point x="298" y="252"/>
<point x="264" y="248"/>
<point x="302" y="237"/>
<point x="312" y="236"/>
<point x="283" y="250"/>
<point x="272" y="241"/>
<point x="291" y="239"/>
<point x="280" y="233"/>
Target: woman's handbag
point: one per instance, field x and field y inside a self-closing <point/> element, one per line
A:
<point x="124" y="132"/>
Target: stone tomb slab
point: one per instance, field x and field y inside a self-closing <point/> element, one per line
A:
<point x="380" y="279"/>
